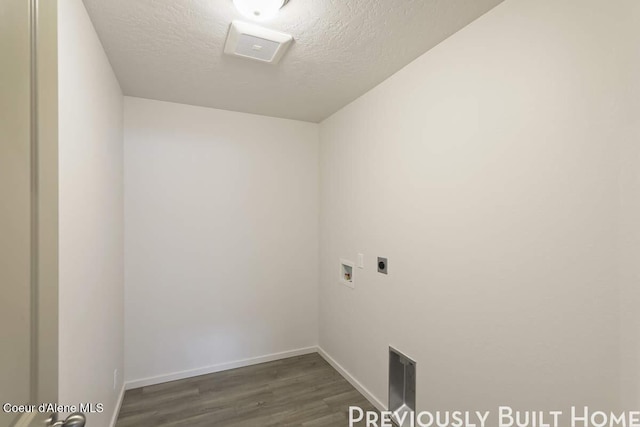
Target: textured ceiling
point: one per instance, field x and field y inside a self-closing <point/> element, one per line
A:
<point x="172" y="50"/>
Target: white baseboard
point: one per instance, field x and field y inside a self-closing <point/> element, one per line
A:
<point x="116" y="412"/>
<point x="354" y="382"/>
<point x="143" y="382"/>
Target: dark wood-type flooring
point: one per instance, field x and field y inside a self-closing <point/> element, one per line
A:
<point x="299" y="391"/>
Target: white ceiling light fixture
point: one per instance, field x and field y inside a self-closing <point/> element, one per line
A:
<point x="259" y="10"/>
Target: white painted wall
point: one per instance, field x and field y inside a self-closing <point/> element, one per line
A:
<point x="91" y="218"/>
<point x="487" y="172"/>
<point x="221" y="213"/>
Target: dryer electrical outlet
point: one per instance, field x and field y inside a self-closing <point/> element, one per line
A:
<point x="382" y="265"/>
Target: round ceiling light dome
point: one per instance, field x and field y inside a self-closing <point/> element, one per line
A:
<point x="259" y="10"/>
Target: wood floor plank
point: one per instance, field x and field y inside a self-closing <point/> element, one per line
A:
<point x="302" y="391"/>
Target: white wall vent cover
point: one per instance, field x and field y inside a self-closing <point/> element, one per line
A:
<point x="254" y="42"/>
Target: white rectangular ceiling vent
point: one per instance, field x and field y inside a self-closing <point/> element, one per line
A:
<point x="254" y="42"/>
